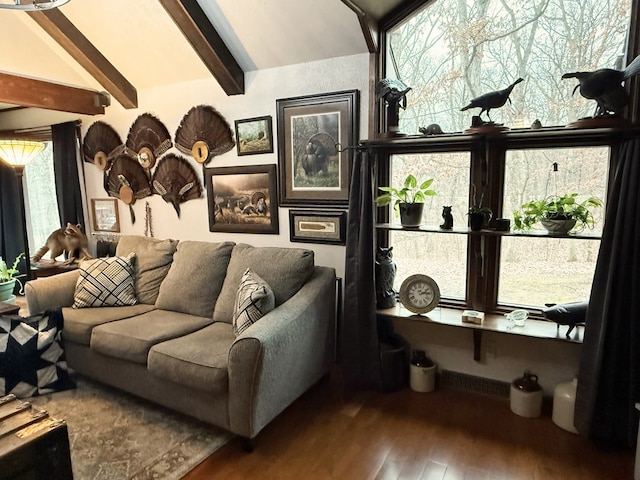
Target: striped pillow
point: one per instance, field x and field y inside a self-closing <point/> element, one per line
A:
<point x="253" y="300"/>
<point x="106" y="282"/>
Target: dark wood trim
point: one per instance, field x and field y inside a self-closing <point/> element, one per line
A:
<point x="30" y="92"/>
<point x="633" y="50"/>
<point x="207" y="43"/>
<point x="82" y="50"/>
<point x="368" y="25"/>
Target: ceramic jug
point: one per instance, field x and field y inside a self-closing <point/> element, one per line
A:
<point x="526" y="396"/>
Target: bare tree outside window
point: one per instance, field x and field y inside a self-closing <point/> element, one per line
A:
<point x="452" y="51"/>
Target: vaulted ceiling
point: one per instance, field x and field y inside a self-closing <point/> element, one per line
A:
<point x="88" y="53"/>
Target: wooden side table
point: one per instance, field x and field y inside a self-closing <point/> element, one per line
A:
<point x="47" y="270"/>
<point x="9" y="308"/>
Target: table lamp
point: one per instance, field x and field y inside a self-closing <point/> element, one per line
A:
<point x="17" y="154"/>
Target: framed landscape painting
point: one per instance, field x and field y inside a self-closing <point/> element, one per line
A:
<point x="242" y="199"/>
<point x="254" y="135"/>
<point x="314" y="133"/>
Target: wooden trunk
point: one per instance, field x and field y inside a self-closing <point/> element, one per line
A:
<point x="33" y="445"/>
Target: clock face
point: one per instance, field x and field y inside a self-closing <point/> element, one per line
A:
<point x="419" y="293"/>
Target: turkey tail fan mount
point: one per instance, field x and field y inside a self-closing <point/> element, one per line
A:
<point x="204" y="133"/>
<point x="148" y="139"/>
<point x="128" y="181"/>
<point x="176" y="181"/>
<point x="101" y="145"/>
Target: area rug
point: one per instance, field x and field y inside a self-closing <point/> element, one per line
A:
<point x="116" y="436"/>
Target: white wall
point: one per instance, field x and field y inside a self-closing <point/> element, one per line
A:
<point x="263" y="87"/>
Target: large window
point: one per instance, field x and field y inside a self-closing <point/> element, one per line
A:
<point x="451" y="52"/>
<point x="40" y="199"/>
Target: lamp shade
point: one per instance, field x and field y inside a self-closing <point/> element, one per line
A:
<point x="18" y="153"/>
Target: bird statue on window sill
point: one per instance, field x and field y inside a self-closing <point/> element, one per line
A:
<point x="393" y="92"/>
<point x="605" y="87"/>
<point x="491" y="100"/>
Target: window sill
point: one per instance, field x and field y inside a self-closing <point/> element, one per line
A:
<point x="490" y="232"/>
<point x="451" y="317"/>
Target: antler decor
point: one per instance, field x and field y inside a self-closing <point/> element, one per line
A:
<point x="204" y="133"/>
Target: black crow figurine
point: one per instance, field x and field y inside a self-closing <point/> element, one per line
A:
<point x="605" y="87"/>
<point x="491" y="100"/>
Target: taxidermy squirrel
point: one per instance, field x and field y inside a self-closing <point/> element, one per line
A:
<point x="70" y="240"/>
<point x="448" y="218"/>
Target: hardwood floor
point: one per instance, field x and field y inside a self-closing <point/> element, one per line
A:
<point x="331" y="433"/>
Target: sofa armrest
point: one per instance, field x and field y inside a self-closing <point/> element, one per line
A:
<point x="50" y="293"/>
<point x="278" y="358"/>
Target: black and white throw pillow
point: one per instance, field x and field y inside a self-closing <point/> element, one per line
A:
<point x="253" y="300"/>
<point x="32" y="360"/>
<point x="106" y="282"/>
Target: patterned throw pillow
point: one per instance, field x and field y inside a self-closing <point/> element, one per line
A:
<point x="253" y="300"/>
<point x="32" y="362"/>
<point x="106" y="282"/>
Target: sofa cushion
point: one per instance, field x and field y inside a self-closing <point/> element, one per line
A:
<point x="131" y="338"/>
<point x="106" y="282"/>
<point x="32" y="361"/>
<point x="253" y="300"/>
<point x="284" y="269"/>
<point x="153" y="260"/>
<point x="195" y="278"/>
<point x="78" y="323"/>
<point x="198" y="360"/>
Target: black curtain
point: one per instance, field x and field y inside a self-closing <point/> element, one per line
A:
<point x="12" y="240"/>
<point x="609" y="376"/>
<point x="360" y="353"/>
<point x="65" y="150"/>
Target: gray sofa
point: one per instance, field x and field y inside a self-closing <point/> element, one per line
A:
<point x="176" y="346"/>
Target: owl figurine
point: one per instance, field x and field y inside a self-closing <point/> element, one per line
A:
<point x="385" y="272"/>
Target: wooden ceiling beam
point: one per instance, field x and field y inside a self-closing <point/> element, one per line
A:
<point x="207" y="43"/>
<point x="368" y="25"/>
<point x="30" y="92"/>
<point x="87" y="55"/>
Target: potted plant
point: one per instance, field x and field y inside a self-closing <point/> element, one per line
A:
<point x="558" y="214"/>
<point x="408" y="200"/>
<point x="8" y="277"/>
<point x="479" y="216"/>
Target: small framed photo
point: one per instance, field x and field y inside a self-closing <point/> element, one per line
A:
<point x="242" y="199"/>
<point x="312" y="226"/>
<point x="105" y="215"/>
<point x="254" y="135"/>
<point x="314" y="158"/>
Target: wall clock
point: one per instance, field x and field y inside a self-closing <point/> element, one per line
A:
<point x="419" y="293"/>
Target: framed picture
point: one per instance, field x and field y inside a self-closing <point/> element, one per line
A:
<point x="313" y="135"/>
<point x="254" y="135"/>
<point x="105" y="215"/>
<point x="242" y="199"/>
<point x="312" y="226"/>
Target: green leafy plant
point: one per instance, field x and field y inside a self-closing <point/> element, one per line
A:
<point x="476" y="207"/>
<point x="563" y="207"/>
<point x="6" y="273"/>
<point x="411" y="192"/>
